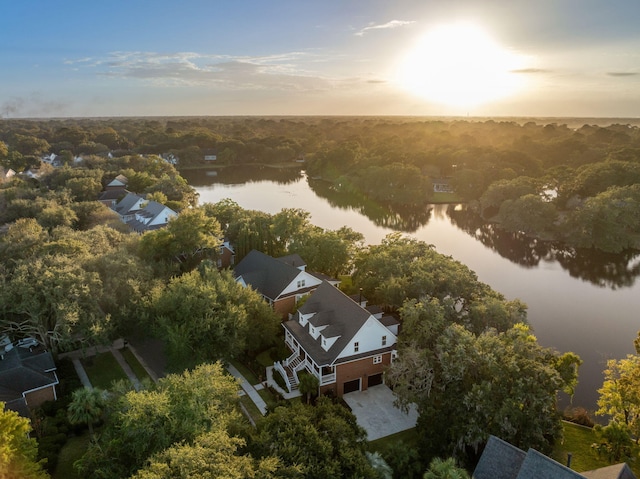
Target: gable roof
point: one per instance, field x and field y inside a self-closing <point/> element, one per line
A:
<point x="617" y="471"/>
<point x="501" y="460"/>
<point x="22" y="371"/>
<point x="146" y="218"/>
<point x="293" y="260"/>
<point x="269" y="276"/>
<point x="127" y="204"/>
<point x="339" y="315"/>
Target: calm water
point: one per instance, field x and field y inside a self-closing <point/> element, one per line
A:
<point x="577" y="302"/>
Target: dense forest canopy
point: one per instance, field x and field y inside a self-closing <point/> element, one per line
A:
<point x="546" y="180"/>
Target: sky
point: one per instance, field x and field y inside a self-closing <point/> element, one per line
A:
<point x="548" y="58"/>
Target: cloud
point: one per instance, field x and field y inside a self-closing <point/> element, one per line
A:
<point x="384" y="26"/>
<point x="622" y="74"/>
<point x="278" y="71"/>
<point x="530" y="70"/>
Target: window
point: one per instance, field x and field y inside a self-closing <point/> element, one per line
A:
<point x="324" y="342"/>
<point x="301" y="283"/>
<point x="384" y="340"/>
<point x="356" y="347"/>
<point x="377" y="359"/>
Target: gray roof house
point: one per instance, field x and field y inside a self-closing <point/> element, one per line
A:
<point x="143" y="215"/>
<point x="281" y="281"/>
<point x="27" y="378"/>
<point x="339" y="341"/>
<point x="501" y="460"/>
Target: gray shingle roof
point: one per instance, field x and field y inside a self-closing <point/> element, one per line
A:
<point x="538" y="466"/>
<point x="501" y="460"/>
<point x="126" y="204"/>
<point x="617" y="471"/>
<point x="340" y="314"/>
<point x="22" y="371"/>
<point x="293" y="260"/>
<point x="265" y="274"/>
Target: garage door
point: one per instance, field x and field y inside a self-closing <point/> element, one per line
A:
<point x="352" y="386"/>
<point x="374" y="380"/>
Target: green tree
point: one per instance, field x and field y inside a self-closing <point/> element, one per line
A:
<point x="324" y="440"/>
<point x="445" y="469"/>
<point x="469" y="386"/>
<point x="212" y="455"/>
<point x="18" y="451"/>
<point x="309" y="385"/>
<point x="144" y="423"/>
<point x="620" y="392"/>
<point x="86" y="407"/>
<point x="186" y="240"/>
<point x="53" y="299"/>
<point x="206" y="315"/>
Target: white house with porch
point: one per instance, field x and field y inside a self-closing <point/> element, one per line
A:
<point x="339" y="341"/>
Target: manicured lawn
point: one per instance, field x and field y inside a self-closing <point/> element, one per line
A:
<point x="268" y="397"/>
<point x="577" y="441"/>
<point x="251" y="408"/>
<point x="264" y="359"/>
<point x="70" y="453"/>
<point x="102" y="370"/>
<point x="246" y="372"/>
<point x="135" y="365"/>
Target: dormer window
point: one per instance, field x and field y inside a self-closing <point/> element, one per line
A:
<point x="384" y="340"/>
<point x="324" y="343"/>
<point x="356" y="347"/>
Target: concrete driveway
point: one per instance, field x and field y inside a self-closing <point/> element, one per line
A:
<point x="376" y="413"/>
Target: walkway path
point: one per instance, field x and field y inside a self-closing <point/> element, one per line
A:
<point x="114" y="349"/>
<point x="272" y="383"/>
<point x="126" y="368"/>
<point x="82" y="374"/>
<point x="249" y="390"/>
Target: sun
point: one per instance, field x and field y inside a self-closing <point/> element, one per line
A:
<point x="460" y="65"/>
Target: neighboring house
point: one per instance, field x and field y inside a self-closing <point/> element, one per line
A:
<point x="281" y="281"/>
<point x="143" y="215"/>
<point x="118" y="183"/>
<point x="6" y="174"/>
<point x="501" y="460"/>
<point x="169" y="158"/>
<point x="112" y="196"/>
<point x="210" y="155"/>
<point x="27" y="378"/>
<point x="226" y="256"/>
<point x="339" y="341"/>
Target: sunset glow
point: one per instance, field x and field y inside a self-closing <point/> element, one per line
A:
<point x="460" y="65"/>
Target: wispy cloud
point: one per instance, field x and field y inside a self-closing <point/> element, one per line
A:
<point x="384" y="26"/>
<point x="279" y="71"/>
<point x="622" y="74"/>
<point x="530" y="70"/>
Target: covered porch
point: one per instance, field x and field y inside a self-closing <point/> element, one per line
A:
<point x="299" y="360"/>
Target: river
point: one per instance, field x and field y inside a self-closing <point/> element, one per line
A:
<point x="577" y="301"/>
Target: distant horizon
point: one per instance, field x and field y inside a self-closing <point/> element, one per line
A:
<point x="545" y="59"/>
<point x="595" y="120"/>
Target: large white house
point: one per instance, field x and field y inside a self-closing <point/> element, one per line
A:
<point x="340" y="341"/>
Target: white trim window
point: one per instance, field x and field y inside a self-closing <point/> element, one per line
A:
<point x="377" y="359"/>
<point x="356" y="347"/>
<point x="384" y="340"/>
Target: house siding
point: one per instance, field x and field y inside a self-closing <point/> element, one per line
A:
<point x="360" y="369"/>
<point x="284" y="306"/>
<point x="37" y="398"/>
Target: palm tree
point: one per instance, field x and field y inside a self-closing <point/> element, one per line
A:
<point x="86" y="407"/>
<point x="445" y="469"/>
<point x="308" y="385"/>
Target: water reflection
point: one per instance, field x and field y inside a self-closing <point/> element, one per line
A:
<point x="602" y="269"/>
<point x="238" y="175"/>
<point x="405" y="219"/>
